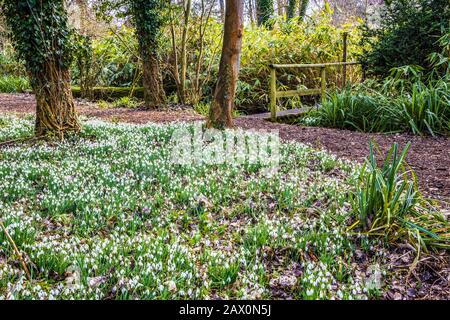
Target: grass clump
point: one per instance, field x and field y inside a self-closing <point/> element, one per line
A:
<point x="389" y="204"/>
<point x="125" y="102"/>
<point x="394" y="105"/>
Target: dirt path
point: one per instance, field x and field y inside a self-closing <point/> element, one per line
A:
<point x="429" y="157"/>
<point x="25" y="104"/>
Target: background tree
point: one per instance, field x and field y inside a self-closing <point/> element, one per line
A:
<point x="303" y="8"/>
<point x="180" y="76"/>
<point x="292" y="5"/>
<point x="41" y="37"/>
<point x="250" y="9"/>
<point x="223" y="101"/>
<point x="264" y="11"/>
<point x="222" y="10"/>
<point x="148" y="20"/>
<point x="281" y="7"/>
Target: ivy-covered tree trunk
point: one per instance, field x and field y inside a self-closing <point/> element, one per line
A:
<point x="303" y="8"/>
<point x="292" y="5"/>
<point x="264" y="11"/>
<point x="221" y="111"/>
<point x="42" y="39"/>
<point x="55" y="110"/>
<point x="148" y="22"/>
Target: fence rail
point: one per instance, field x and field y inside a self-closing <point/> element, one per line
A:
<point x="274" y="93"/>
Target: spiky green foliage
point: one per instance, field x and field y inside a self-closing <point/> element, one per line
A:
<point x="388" y="203"/>
<point x="402" y="102"/>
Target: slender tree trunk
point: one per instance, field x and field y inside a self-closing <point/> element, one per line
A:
<point x="154" y="95"/>
<point x="222" y="10"/>
<point x="187" y="12"/>
<point x="251" y="11"/>
<point x="175" y="71"/>
<point x="223" y="103"/>
<point x="55" y="110"/>
<point x="280" y="7"/>
<point x="83" y="7"/>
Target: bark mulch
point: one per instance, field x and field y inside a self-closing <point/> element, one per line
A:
<point x="429" y="157"/>
<point x="25" y="103"/>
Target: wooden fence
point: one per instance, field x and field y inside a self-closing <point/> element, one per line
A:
<point x="274" y="93"/>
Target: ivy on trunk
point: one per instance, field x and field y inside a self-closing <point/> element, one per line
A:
<point x="41" y="36"/>
<point x="148" y="20"/>
<point x="264" y="11"/>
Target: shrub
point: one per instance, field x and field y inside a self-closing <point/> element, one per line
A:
<point x="125" y="102"/>
<point x="355" y="108"/>
<point x="10" y="64"/>
<point x="355" y="111"/>
<point x="10" y="84"/>
<point x="407" y="35"/>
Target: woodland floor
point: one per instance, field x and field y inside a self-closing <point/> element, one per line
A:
<point x="429" y="157"/>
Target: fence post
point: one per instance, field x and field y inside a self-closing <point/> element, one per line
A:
<point x="324" y="83"/>
<point x="344" y="59"/>
<point x="273" y="93"/>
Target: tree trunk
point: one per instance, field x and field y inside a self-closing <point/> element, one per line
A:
<point x="55" y="110"/>
<point x="154" y="95"/>
<point x="222" y="10"/>
<point x="83" y="7"/>
<point x="187" y="12"/>
<point x="280" y="6"/>
<point x="292" y="5"/>
<point x="251" y="12"/>
<point x="303" y="9"/>
<point x="148" y="23"/>
<point x="221" y="111"/>
<point x="264" y="11"/>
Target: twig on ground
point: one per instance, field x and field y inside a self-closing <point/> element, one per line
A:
<point x="6" y="143"/>
<point x="13" y="244"/>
